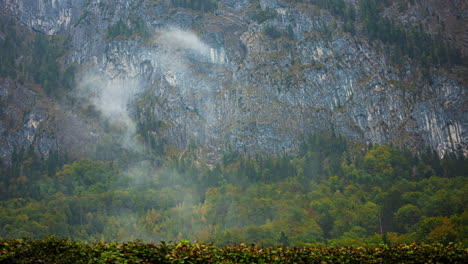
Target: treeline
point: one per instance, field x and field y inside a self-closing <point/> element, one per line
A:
<point x="412" y="41"/>
<point x="333" y="193"/>
<point x="197" y="5"/>
<point x="34" y="58"/>
<point x="25" y="172"/>
<point x="401" y="40"/>
<point x="149" y="128"/>
<point x="125" y="29"/>
<point x="262" y="15"/>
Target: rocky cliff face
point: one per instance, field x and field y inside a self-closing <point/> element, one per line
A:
<point x="29" y="119"/>
<point x="47" y="16"/>
<point x="228" y="78"/>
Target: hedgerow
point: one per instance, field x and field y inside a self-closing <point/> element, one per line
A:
<point x="56" y="250"/>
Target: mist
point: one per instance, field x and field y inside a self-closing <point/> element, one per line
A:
<point x="174" y="38"/>
<point x="113" y="95"/>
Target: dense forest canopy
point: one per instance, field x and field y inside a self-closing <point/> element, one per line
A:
<point x="334" y="193"/>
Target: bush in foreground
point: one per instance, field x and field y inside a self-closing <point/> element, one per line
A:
<point x="54" y="250"/>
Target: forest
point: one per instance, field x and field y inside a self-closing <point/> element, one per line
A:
<point x="34" y="58"/>
<point x="198" y="5"/>
<point x="399" y="41"/>
<point x="334" y="193"/>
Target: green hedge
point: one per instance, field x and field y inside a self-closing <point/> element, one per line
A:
<point x="54" y="250"/>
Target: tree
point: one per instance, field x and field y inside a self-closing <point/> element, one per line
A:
<point x="283" y="239"/>
<point x="407" y="216"/>
<point x="436" y="230"/>
<point x="380" y="162"/>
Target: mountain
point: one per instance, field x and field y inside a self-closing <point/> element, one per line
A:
<point x="310" y="123"/>
<point x="245" y="75"/>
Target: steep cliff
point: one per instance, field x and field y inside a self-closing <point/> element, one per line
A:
<point x="30" y="115"/>
<point x="256" y="76"/>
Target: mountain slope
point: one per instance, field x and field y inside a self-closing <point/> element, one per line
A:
<point x="255" y="76"/>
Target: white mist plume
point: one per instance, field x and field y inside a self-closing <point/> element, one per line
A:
<point x="184" y="40"/>
<point x="111" y="98"/>
<point x="110" y="92"/>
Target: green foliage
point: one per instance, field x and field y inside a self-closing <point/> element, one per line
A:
<point x="401" y="41"/>
<point x="338" y="8"/>
<point x="283" y="240"/>
<point x="35" y="58"/>
<point x="332" y="193"/>
<point x="148" y="128"/>
<point x="408" y="215"/>
<point x="26" y="171"/>
<point x="49" y="250"/>
<point x="263" y="15"/>
<point x="385" y="163"/>
<point x="53" y="250"/>
<point x="127" y="29"/>
<point x="272" y="32"/>
<point x="85" y="175"/>
<point x="412" y="42"/>
<point x="197" y="5"/>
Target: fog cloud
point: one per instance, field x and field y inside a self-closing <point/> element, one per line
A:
<point x="182" y="39"/>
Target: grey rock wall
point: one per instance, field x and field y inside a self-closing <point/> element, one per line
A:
<point x="28" y="119"/>
<point x="218" y="80"/>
